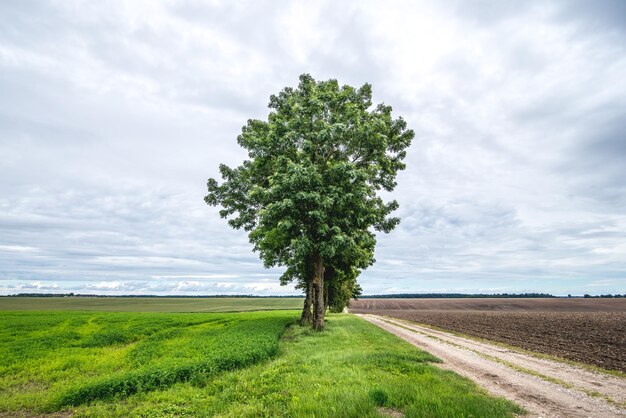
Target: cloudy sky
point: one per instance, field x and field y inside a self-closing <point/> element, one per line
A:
<point x="114" y="114"/>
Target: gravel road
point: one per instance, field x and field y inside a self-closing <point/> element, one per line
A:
<point x="545" y="388"/>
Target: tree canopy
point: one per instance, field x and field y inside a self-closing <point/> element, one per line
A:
<point x="308" y="194"/>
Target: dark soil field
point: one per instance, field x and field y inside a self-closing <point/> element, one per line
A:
<point x="591" y="331"/>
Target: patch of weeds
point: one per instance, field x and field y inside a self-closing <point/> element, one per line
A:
<point x="379" y="397"/>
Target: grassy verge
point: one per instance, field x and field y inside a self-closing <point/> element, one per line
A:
<point x="353" y="369"/>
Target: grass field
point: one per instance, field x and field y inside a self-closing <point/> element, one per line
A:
<point x="113" y="364"/>
<point x="113" y="304"/>
<point x="52" y="360"/>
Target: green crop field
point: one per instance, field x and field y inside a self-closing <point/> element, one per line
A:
<point x="52" y="360"/>
<point x="114" y="304"/>
<point x="121" y="364"/>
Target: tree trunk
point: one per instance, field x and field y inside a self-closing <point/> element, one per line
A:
<point x="325" y="294"/>
<point x="329" y="285"/>
<point x="318" y="287"/>
<point x="308" y="301"/>
<point x="312" y="300"/>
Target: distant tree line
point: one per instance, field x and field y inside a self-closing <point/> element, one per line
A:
<point x="617" y="295"/>
<point x="47" y="295"/>
<point x="336" y="295"/>
<point x="458" y="295"/>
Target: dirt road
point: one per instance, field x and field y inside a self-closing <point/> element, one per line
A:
<point x="545" y="388"/>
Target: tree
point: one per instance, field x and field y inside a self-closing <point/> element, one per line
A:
<point x="341" y="287"/>
<point x="340" y="274"/>
<point x="308" y="194"/>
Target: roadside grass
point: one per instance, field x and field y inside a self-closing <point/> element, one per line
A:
<point x="146" y="304"/>
<point x="352" y="369"/>
<point x="52" y="360"/>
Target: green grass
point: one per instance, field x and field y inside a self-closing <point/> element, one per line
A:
<point x="53" y="360"/>
<point x="353" y="369"/>
<point x="147" y="304"/>
<point x="250" y="364"/>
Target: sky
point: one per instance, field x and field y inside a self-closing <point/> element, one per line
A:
<point x="113" y="115"/>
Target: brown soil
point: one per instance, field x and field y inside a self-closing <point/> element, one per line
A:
<point x="558" y="327"/>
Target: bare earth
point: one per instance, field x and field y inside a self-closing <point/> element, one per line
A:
<point x="495" y="304"/>
<point x="591" y="331"/>
<point x="546" y="388"/>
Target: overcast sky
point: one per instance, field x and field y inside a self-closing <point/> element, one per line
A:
<point x="114" y="114"/>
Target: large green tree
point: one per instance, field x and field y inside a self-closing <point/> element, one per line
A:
<point x="308" y="194"/>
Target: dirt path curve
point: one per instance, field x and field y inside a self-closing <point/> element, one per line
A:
<point x="545" y="388"/>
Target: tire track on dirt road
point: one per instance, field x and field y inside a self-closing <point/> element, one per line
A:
<point x="545" y="388"/>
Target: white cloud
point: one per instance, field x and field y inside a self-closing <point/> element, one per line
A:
<point x="198" y="276"/>
<point x="36" y="286"/>
<point x="17" y="248"/>
<point x="115" y="285"/>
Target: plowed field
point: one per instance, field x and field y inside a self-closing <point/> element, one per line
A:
<point x="591" y="331"/>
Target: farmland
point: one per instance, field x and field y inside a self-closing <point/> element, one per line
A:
<point x="153" y="364"/>
<point x="119" y="354"/>
<point x="147" y="304"/>
<point x="591" y="331"/>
